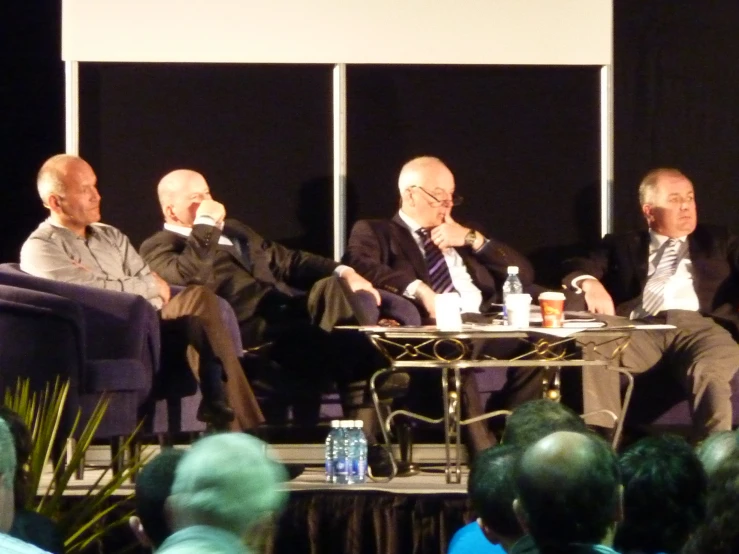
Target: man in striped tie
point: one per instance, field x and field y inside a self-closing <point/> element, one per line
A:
<point x="422" y="251"/>
<point x="681" y="273"/>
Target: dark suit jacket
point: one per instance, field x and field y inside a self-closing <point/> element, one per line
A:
<point x="253" y="277"/>
<point x="621" y="263"/>
<point x="386" y="254"/>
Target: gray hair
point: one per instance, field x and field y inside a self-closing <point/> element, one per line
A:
<point x="226" y="481"/>
<point x="648" y="185"/>
<point x="50" y="178"/>
<point x="8" y="462"/>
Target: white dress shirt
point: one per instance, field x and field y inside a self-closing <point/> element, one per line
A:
<point x="679" y="290"/>
<point x="679" y="293"/>
<point x="461" y="279"/>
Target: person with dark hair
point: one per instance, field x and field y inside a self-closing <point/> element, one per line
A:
<point x="568" y="495"/>
<point x="536" y="419"/>
<point x="719" y="532"/>
<point x="490" y="484"/>
<point x="664" y="496"/>
<point x="28" y="525"/>
<point x="153" y="487"/>
<point x="717" y="448"/>
<point x="492" y="493"/>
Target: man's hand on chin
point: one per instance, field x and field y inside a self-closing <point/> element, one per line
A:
<point x="449" y="234"/>
<point x="212" y="209"/>
<point x="356" y="282"/>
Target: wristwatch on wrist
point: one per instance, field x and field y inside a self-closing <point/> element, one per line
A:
<point x="470" y="237"/>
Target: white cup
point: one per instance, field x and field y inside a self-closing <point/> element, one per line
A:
<point x="518" y="309"/>
<point x="448" y="311"/>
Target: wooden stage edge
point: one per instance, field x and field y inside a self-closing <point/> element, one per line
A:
<point x="431" y="480"/>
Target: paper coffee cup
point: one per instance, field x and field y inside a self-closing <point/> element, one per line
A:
<point x="518" y="310"/>
<point x="552" y="306"/>
<point x="448" y="311"/>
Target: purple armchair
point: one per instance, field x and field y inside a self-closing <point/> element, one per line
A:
<point x="117" y="341"/>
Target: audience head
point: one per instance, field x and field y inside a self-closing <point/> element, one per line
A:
<point x="716" y="448"/>
<point x="7" y="477"/>
<point x="180" y="193"/>
<point x="67" y="186"/>
<point x="667" y="201"/>
<point x="568" y="491"/>
<point x="153" y="487"/>
<point x="23" y="446"/>
<point x="664" y="495"/>
<point x="426" y="190"/>
<point x="226" y="481"/>
<point x="719" y="533"/>
<point x="536" y="419"/>
<point x="492" y="492"/>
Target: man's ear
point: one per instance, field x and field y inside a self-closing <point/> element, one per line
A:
<point x="169" y="214"/>
<point x="647" y="210"/>
<point x="134" y="522"/>
<point x="489" y="533"/>
<point x="521" y="516"/>
<point x="53" y="203"/>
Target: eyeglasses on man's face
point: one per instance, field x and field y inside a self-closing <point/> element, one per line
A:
<point x="447" y="201"/>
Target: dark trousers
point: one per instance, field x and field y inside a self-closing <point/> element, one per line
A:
<point x="192" y="329"/>
<point x="305" y="343"/>
<point x="699" y="355"/>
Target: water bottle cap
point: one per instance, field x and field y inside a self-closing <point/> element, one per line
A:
<point x="335" y="423"/>
<point x="358" y="423"/>
<point x="512" y="270"/>
<point x="347" y="423"/>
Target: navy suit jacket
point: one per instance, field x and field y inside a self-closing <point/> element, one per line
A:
<point x="387" y="255"/>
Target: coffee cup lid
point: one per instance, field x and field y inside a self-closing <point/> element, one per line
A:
<point x="552" y="295"/>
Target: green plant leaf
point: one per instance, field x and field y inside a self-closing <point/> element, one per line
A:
<point x="87" y="521"/>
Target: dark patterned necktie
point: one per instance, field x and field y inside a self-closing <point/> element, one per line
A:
<point x="440" y="279"/>
<point x="654" y="291"/>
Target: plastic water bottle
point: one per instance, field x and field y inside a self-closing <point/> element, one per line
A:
<point x="342" y="454"/>
<point x="512" y="285"/>
<point x="359" y="452"/>
<point x="330" y="446"/>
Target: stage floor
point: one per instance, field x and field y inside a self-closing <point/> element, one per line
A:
<point x="431" y="480"/>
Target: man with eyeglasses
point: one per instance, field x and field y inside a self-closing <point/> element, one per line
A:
<point x="677" y="272"/>
<point x="422" y="251"/>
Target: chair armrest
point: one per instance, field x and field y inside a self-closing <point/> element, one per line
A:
<point x="117" y="324"/>
<point x="44" y="334"/>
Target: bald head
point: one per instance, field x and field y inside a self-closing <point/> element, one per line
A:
<point x="57" y="172"/>
<point x="426" y="188"/>
<point x="67" y="186"/>
<point x="419" y="171"/>
<point x="180" y="193"/>
<point x="569" y="489"/>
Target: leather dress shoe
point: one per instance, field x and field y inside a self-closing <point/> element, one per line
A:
<point x="379" y="461"/>
<point x="216" y="413"/>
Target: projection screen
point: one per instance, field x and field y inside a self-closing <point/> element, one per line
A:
<point x="341" y="32"/>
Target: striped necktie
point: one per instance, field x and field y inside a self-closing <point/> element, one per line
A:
<point x="654" y="291"/>
<point x="440" y="280"/>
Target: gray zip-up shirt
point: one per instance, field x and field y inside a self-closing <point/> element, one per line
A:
<point x="104" y="259"/>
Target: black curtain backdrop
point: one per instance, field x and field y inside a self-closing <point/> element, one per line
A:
<point x="522" y="141"/>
